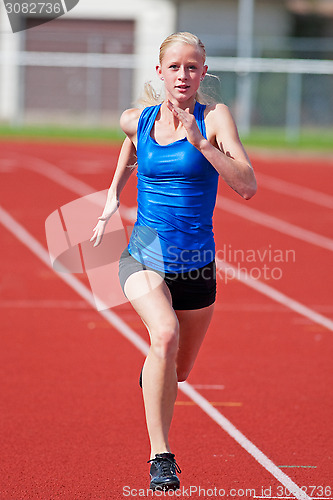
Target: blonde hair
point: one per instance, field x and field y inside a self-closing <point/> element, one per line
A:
<point x="150" y="96"/>
<point x="185" y="38"/>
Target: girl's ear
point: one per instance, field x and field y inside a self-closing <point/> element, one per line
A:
<point x="159" y="72"/>
<point x="205" y="69"/>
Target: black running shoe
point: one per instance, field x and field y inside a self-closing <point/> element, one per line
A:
<point x="163" y="472"/>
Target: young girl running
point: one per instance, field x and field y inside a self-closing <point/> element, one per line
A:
<point x="181" y="147"/>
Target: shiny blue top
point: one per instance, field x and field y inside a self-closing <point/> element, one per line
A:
<point x="177" y="189"/>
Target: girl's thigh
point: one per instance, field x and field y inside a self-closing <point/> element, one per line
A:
<point x="151" y="299"/>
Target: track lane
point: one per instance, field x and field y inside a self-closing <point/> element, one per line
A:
<point x="25" y="238"/>
<point x="290" y="266"/>
<point x="257" y="269"/>
<point x="295" y="190"/>
<point x="58" y="374"/>
<point x="240" y="321"/>
<point x="309" y="171"/>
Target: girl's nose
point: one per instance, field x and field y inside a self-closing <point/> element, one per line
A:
<point x="182" y="74"/>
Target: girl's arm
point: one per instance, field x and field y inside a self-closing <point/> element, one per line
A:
<point x="227" y="154"/>
<point x="125" y="166"/>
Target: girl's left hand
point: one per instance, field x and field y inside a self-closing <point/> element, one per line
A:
<point x="194" y="135"/>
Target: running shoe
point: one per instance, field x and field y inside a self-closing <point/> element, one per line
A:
<point x="163" y="472"/>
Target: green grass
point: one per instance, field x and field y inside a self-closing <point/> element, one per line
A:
<point x="268" y="138"/>
<point x="53" y="132"/>
<point x="274" y="138"/>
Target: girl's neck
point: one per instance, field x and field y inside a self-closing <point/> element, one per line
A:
<point x="190" y="104"/>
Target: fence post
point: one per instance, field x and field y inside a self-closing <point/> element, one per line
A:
<point x="11" y="73"/>
<point x="244" y="80"/>
<point x="293" y="106"/>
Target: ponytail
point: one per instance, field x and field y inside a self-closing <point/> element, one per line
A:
<point x="150" y="97"/>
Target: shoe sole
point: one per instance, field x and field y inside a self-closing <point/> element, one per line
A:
<point x="172" y="485"/>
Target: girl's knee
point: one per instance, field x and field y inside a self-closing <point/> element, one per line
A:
<point x="165" y="339"/>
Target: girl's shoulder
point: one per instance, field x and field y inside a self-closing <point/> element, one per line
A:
<point x="218" y="116"/>
<point x="129" y="121"/>
<point x="217" y="111"/>
<point x="220" y="123"/>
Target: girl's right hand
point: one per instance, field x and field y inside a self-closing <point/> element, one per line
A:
<point x="99" y="229"/>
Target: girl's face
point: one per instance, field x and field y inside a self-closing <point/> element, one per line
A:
<point x="182" y="70"/>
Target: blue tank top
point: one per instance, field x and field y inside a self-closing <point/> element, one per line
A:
<point x="177" y="189"/>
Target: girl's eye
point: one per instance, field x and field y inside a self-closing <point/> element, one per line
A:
<point x="173" y="66"/>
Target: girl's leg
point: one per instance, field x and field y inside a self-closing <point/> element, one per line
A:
<point x="193" y="325"/>
<point x="151" y="299"/>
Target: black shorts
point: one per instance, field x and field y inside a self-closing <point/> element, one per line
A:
<point x="194" y="289"/>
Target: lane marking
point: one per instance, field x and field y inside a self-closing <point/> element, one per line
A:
<point x="54" y="173"/>
<point x="298" y="466"/>
<point x="295" y="190"/>
<point x="275" y="295"/>
<point x="273" y="223"/>
<point x="42" y="304"/>
<point x="266" y="308"/>
<point x="67" y="180"/>
<point x="243" y="441"/>
<point x="208" y="386"/>
<point x="213" y="403"/>
<point x="79" y="187"/>
<point x="30" y="242"/>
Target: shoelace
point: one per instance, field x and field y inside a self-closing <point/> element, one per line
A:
<point x="164" y="466"/>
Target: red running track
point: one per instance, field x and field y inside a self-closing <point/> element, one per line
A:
<point x="72" y="421"/>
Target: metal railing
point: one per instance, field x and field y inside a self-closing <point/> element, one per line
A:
<point x="263" y="92"/>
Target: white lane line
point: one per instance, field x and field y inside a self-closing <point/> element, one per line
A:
<point x="267" y="308"/>
<point x="274" y="223"/>
<point x="42" y="304"/>
<point x="113" y="319"/>
<point x="29" y="241"/>
<point x="274" y="294"/>
<point x="79" y="187"/>
<point x="257" y="454"/>
<point x="295" y="190"/>
<point x="57" y="175"/>
<point x="64" y="179"/>
<point x="217" y="387"/>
